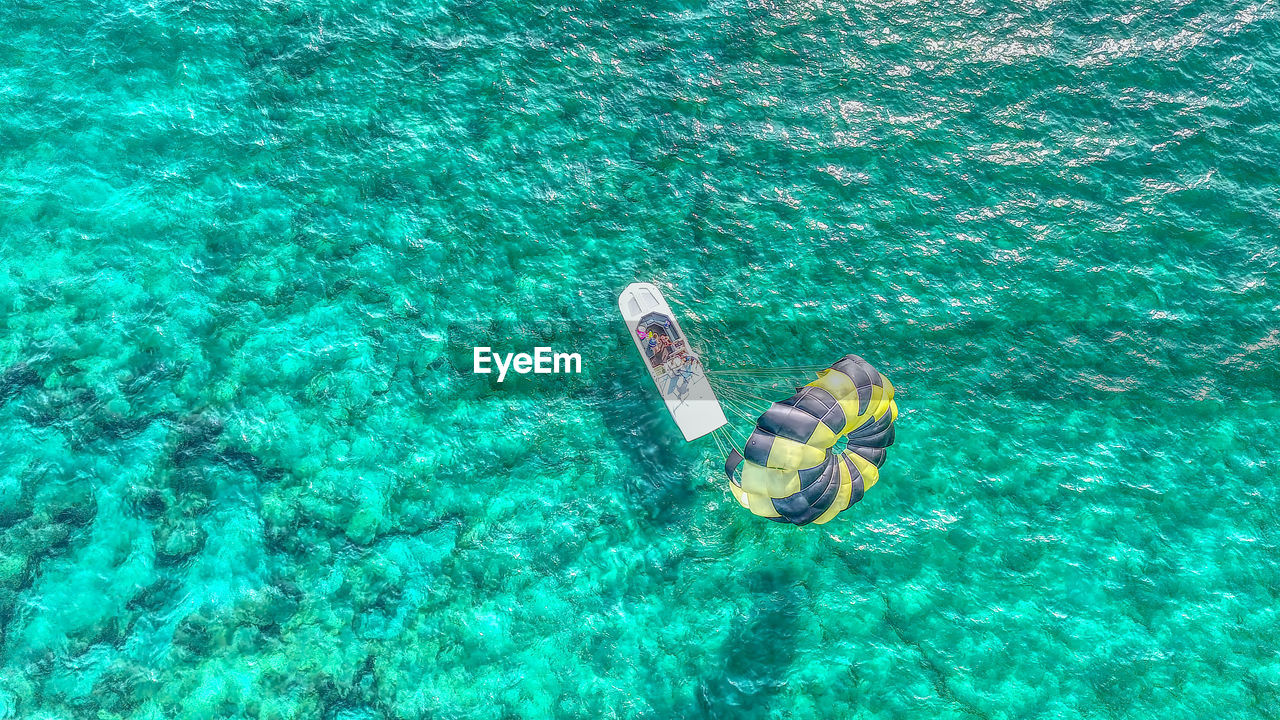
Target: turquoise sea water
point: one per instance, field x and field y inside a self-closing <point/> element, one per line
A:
<point x="246" y="248"/>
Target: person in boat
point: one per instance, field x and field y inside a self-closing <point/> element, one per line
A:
<point x="680" y="372"/>
<point x="664" y="349"/>
<point x="650" y="340"/>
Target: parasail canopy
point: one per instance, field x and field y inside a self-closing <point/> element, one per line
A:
<point x="793" y="468"/>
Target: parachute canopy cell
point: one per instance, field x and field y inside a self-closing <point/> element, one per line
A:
<point x="791" y="470"/>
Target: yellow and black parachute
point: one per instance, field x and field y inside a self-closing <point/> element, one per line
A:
<point x="792" y="468"/>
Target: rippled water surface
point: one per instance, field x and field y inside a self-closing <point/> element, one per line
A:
<point x="246" y="249"/>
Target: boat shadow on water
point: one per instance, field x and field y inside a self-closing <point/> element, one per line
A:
<point x="661" y="483"/>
